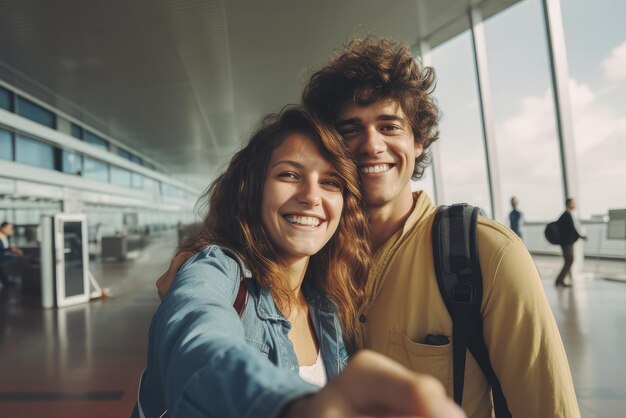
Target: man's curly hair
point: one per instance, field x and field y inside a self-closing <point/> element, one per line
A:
<point x="378" y="68"/>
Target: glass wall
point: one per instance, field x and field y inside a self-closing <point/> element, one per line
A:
<point x="95" y="170"/>
<point x="77" y="131"/>
<point x="595" y="35"/>
<point x="137" y="181"/>
<point x="463" y="164"/>
<point x="95" y="140"/>
<point x="120" y="177"/>
<point x="6" y="145"/>
<point x="36" y="113"/>
<point x="31" y="152"/>
<point x="523" y="109"/>
<point x="426" y="183"/>
<point x="6" y="99"/>
<point x="71" y="162"/>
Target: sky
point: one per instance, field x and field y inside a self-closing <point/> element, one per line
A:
<point x="526" y="135"/>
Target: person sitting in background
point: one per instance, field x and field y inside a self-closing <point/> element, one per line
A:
<point x="10" y="256"/>
<point x="276" y="273"/>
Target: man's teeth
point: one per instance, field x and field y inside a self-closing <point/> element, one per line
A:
<point x="303" y="220"/>
<point x="380" y="168"/>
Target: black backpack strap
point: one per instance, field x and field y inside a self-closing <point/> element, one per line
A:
<point x="457" y="266"/>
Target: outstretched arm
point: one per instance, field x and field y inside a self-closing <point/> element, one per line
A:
<point x="372" y="385"/>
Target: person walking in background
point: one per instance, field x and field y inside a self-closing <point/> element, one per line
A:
<point x="515" y="217"/>
<point x="569" y="235"/>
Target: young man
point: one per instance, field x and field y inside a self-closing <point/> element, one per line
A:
<point x="569" y="235"/>
<point x="380" y="100"/>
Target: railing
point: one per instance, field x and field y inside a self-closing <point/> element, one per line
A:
<point x="597" y="244"/>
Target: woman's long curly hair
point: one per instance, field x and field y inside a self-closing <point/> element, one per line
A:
<point x="340" y="268"/>
<point x="370" y="69"/>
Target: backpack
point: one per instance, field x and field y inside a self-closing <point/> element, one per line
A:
<point x="455" y="255"/>
<point x="553" y="233"/>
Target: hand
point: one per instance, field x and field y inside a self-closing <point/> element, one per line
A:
<point x="372" y="385"/>
<point x="164" y="282"/>
<point x="16" y="251"/>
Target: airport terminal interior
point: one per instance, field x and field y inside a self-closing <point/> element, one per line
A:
<point x="116" y="115"/>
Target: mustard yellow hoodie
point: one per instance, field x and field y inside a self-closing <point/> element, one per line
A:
<point x="404" y="305"/>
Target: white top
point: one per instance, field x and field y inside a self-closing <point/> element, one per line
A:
<point x="316" y="373"/>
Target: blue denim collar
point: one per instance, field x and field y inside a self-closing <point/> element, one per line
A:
<point x="267" y="309"/>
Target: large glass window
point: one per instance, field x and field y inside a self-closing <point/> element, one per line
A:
<point x="462" y="158"/>
<point x="426" y="183"/>
<point x="6" y="145"/>
<point x="71" y="162"/>
<point x="523" y="109"/>
<point x="120" y="177"/>
<point x="95" y="170"/>
<point x="77" y="131"/>
<point x="32" y="152"/>
<point x="36" y="113"/>
<point x="124" y="154"/>
<point x="6" y="99"/>
<point x="136" y="159"/>
<point x="137" y="180"/>
<point x="595" y="36"/>
<point x="95" y="140"/>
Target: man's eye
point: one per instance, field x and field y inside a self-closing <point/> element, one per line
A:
<point x="390" y="128"/>
<point x="348" y="132"/>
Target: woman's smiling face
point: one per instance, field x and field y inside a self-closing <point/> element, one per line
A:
<point x="302" y="198"/>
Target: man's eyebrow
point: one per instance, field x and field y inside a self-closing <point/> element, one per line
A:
<point x="391" y="117"/>
<point x="345" y="122"/>
<point x="356" y="121"/>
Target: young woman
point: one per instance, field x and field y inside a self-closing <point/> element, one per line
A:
<point x="276" y="272"/>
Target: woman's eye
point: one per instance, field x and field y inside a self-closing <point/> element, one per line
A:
<point x="333" y="183"/>
<point x="288" y="175"/>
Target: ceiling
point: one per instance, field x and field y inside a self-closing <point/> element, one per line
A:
<point x="184" y="81"/>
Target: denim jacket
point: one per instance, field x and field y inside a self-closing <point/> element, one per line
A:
<point x="205" y="361"/>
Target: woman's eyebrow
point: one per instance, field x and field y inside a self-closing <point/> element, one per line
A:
<point x="289" y="162"/>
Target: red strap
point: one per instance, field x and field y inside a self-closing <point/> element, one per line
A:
<point x="242" y="297"/>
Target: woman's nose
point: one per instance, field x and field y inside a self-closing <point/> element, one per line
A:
<point x="310" y="194"/>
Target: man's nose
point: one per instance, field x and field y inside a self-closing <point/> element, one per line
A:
<point x="372" y="142"/>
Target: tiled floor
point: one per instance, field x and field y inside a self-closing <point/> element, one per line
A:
<point x="592" y="319"/>
<point x="84" y="361"/>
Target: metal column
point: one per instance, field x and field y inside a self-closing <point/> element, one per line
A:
<point x="424" y="50"/>
<point x="484" y="93"/>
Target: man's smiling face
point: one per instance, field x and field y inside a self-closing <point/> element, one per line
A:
<point x="382" y="143"/>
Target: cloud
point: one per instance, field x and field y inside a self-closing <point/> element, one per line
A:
<point x="615" y="65"/>
<point x="528" y="152"/>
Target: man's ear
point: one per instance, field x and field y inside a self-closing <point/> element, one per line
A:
<point x="419" y="149"/>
